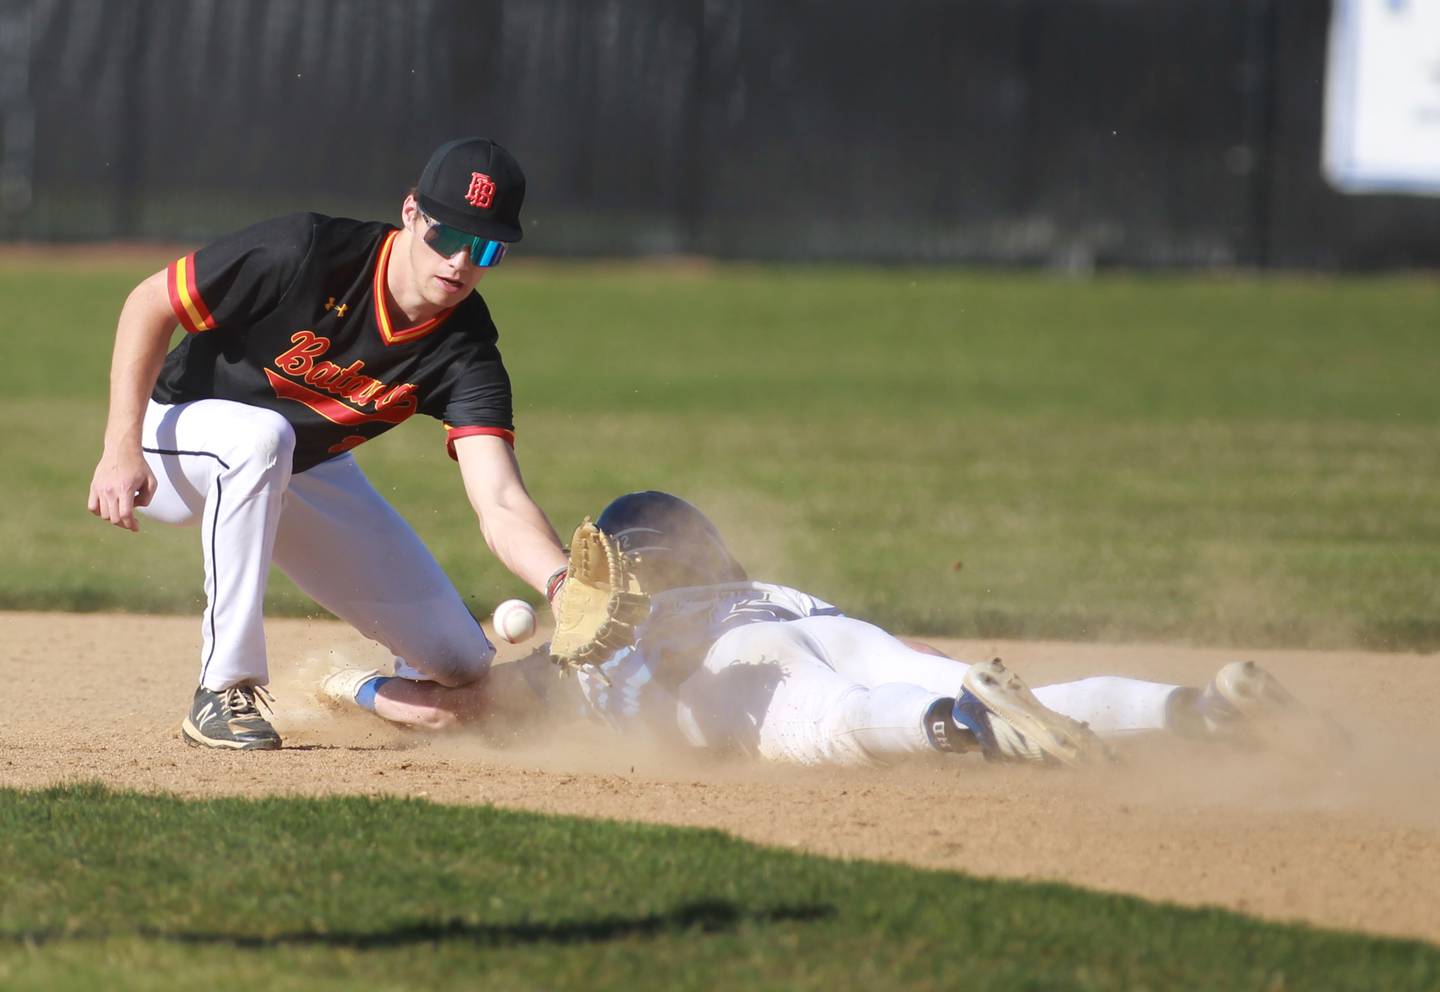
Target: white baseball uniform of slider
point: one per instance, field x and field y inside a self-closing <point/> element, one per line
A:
<point x="777" y="673"/>
<point x="225" y="466"/>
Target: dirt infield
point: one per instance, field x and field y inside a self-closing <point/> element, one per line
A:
<point x="1351" y="843"/>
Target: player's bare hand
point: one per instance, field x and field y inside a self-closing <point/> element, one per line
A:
<point x="122" y="482"/>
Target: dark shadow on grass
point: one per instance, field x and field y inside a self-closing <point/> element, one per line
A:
<point x="359" y="748"/>
<point x="711" y="916"/>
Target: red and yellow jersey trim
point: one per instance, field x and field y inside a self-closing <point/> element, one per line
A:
<point x="185" y="299"/>
<point x="388" y="332"/>
<point x="452" y="433"/>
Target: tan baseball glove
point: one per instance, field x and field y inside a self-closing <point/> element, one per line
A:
<point x="600" y="604"/>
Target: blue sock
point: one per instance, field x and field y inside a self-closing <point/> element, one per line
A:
<point x="365" y="695"/>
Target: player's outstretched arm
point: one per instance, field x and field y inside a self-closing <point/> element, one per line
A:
<point x="515" y="528"/>
<point x="122" y="479"/>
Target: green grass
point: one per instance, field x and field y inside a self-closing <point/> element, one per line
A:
<point x="124" y="891"/>
<point x="1224" y="461"/>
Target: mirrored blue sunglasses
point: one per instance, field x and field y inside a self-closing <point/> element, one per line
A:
<point x="447" y="240"/>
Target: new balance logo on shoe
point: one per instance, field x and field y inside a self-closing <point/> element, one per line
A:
<point x="229" y="719"/>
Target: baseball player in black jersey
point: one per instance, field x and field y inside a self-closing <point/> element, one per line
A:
<point x="307" y="336"/>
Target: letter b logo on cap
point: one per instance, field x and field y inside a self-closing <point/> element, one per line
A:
<point x="475" y="186"/>
<point x="482" y="191"/>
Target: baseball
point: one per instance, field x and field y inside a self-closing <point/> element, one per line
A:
<point x="514" y="621"/>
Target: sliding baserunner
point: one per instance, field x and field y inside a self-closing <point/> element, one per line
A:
<point x="729" y="664"/>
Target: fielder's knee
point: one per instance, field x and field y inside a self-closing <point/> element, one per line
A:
<point x="265" y="439"/>
<point x="454" y="665"/>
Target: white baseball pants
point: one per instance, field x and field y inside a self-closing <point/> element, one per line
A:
<point x="225" y="467"/>
<point x="836" y="690"/>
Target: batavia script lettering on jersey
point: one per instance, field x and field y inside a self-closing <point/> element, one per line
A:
<point x="390" y="404"/>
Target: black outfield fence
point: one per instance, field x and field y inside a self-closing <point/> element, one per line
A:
<point x="1071" y="133"/>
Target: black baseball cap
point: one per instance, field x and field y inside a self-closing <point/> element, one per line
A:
<point x="475" y="185"/>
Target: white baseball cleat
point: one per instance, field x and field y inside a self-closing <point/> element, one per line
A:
<point x="1010" y="724"/>
<point x="1240" y="693"/>
<point x="340" y="686"/>
<point x="1247" y="707"/>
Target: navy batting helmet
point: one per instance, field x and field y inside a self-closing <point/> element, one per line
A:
<point x="676" y="545"/>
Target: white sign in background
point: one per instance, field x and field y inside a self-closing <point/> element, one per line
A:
<point x="1382" y="97"/>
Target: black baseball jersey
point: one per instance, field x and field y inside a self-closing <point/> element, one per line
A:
<point x="290" y="315"/>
